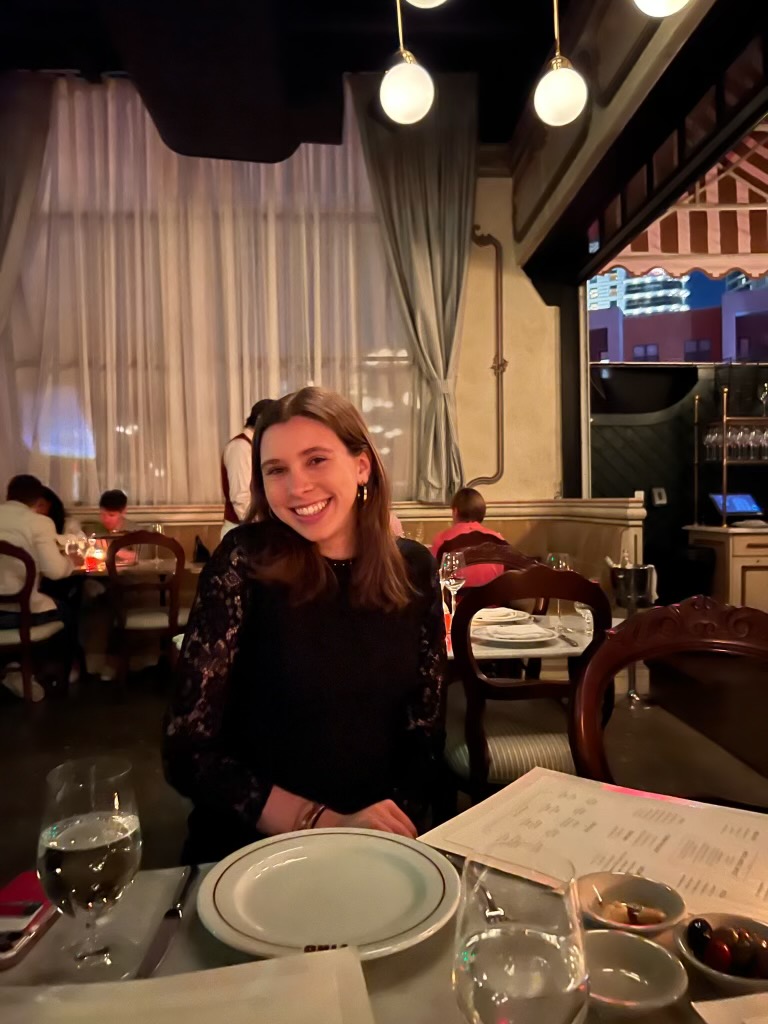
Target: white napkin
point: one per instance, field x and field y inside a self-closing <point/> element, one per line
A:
<point x="500" y="615"/>
<point x="516" y="631"/>
<point x="739" y="1010"/>
<point x="327" y="987"/>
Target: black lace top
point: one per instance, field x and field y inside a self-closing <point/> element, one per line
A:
<point x="335" y="703"/>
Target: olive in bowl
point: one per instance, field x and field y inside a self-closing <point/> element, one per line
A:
<point x="731" y="951"/>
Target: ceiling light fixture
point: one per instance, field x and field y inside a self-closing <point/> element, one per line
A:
<point x="562" y="93"/>
<point x="661" y="8"/>
<point x="407" y="91"/>
<point x="426" y="4"/>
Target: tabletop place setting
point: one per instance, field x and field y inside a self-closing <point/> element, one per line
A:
<point x="557" y="899"/>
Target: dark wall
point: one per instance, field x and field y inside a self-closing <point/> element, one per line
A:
<point x="642" y="437"/>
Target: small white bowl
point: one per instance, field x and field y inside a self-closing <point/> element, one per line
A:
<point x="630" y="976"/>
<point x="614" y="885"/>
<point x="730" y="983"/>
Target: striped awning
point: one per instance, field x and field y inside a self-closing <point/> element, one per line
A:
<point x="720" y="225"/>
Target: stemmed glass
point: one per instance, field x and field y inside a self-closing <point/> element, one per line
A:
<point x="559" y="560"/>
<point x="519" y="950"/>
<point x="157" y="528"/>
<point x="452" y="574"/>
<point x="88" y="851"/>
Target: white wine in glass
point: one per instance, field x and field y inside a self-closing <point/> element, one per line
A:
<point x="88" y="851"/>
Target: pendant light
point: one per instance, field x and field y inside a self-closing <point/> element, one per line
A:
<point x="561" y="94"/>
<point x="407" y="91"/>
<point x="661" y="8"/>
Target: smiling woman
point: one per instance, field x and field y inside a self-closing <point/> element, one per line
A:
<point x="311" y="673"/>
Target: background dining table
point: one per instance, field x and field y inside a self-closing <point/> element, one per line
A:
<point x="412" y="986"/>
<point x="571" y="644"/>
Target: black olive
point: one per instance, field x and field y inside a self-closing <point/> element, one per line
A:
<point x="698" y="935"/>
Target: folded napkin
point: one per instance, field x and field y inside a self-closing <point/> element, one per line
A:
<point x="516" y="631"/>
<point x="751" y="1009"/>
<point x="327" y="987"/>
<point x="501" y="615"/>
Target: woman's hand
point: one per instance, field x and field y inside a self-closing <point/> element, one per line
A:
<point x="384" y="816"/>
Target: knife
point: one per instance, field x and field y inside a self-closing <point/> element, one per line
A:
<point x="568" y="640"/>
<point x="168" y="927"/>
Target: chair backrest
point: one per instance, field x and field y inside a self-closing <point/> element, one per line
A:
<point x="21" y="596"/>
<point x="697" y="625"/>
<point x="473" y="539"/>
<point x="133" y="580"/>
<point x="535" y="582"/>
<point x="494" y="553"/>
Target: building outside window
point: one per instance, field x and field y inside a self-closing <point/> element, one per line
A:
<point x="645" y="353"/>
<point x="698" y="350"/>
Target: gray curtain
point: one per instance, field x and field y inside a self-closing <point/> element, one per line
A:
<point x="25" y="112"/>
<point x="423" y="182"/>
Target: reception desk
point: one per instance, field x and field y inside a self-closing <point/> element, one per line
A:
<point x="741" y="563"/>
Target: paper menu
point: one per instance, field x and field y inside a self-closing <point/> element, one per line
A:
<point x="716" y="857"/>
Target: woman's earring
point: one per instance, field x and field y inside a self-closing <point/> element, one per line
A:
<point x="362" y="493"/>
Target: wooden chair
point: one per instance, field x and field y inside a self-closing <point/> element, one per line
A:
<point x="166" y="620"/>
<point x="532" y="729"/>
<point x="21" y="642"/>
<point x="473" y="539"/>
<point x="511" y="558"/>
<point x="699" y="625"/>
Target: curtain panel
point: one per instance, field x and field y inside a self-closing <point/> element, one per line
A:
<point x="423" y="180"/>
<point x="160" y="296"/>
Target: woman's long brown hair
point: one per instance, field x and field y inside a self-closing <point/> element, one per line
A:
<point x="379" y="576"/>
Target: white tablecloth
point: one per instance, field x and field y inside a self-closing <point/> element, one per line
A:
<point x="412" y="987"/>
<point x="557" y="648"/>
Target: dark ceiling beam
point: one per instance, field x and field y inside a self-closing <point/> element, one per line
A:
<point x="720" y="38"/>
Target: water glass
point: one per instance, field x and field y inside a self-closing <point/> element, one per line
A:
<point x="586" y="613"/>
<point x="88" y="851"/>
<point x="562" y="561"/>
<point x="157" y="528"/>
<point x="519" y="950"/>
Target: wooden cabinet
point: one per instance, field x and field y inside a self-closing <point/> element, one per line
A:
<point x="741" y="563"/>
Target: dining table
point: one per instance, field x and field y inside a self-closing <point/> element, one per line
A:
<point x="412" y="986"/>
<point x="571" y="640"/>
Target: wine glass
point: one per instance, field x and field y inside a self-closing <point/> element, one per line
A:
<point x="88" y="851"/>
<point x="709" y="443"/>
<point x="452" y="574"/>
<point x="562" y="561"/>
<point x="519" y="950"/>
<point x="157" y="528"/>
<point x="717" y="440"/>
<point x="586" y="613"/>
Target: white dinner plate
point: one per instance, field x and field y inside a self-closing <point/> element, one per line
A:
<point x="495" y="615"/>
<point x="329" y="887"/>
<point x="523" y="635"/>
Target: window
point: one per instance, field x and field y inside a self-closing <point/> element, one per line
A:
<point x="698" y="350"/>
<point x="645" y="353"/>
<point x="176" y="291"/>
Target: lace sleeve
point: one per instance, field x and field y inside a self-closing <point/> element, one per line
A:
<point x="424" y="710"/>
<point x="195" y="757"/>
<point x="422" y="743"/>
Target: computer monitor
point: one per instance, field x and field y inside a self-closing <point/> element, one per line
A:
<point x="737" y="505"/>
